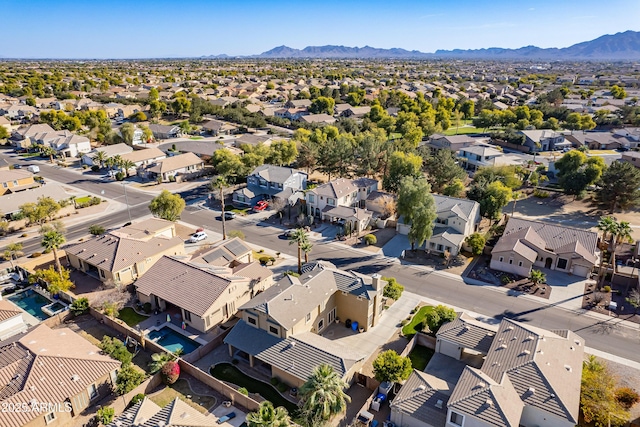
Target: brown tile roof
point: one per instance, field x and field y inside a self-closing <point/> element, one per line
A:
<point x="252" y="270"/>
<point x="468" y="332"/>
<point x="144" y="230"/>
<point x="47" y="366"/>
<point x="142" y="155"/>
<point x="175" y="414"/>
<point x="176" y="162"/>
<point x="185" y="285"/>
<point x="420" y="400"/>
<point x="14" y="175"/>
<point x="554" y="236"/>
<point x="8" y="310"/>
<point x="223" y="253"/>
<point x="114" y="253"/>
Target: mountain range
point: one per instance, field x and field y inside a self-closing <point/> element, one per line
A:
<point x="623" y="46"/>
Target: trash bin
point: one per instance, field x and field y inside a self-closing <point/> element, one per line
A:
<point x="354" y="326"/>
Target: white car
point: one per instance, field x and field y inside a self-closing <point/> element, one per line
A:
<point x="196" y="237"/>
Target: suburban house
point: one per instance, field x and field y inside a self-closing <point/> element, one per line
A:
<point x="281" y="328"/>
<point x="451" y="142"/>
<point x="5" y="123"/>
<point x="164" y="131"/>
<point x="342" y="200"/>
<point x="227" y="253"/>
<point x="456" y="220"/>
<point x="544" y="140"/>
<point x="57" y="368"/>
<point x="515" y="375"/>
<point x="147" y="414"/>
<point x="126" y="254"/>
<point x="600" y="140"/>
<point x="145" y="157"/>
<point x="527" y="244"/>
<point x="64" y="142"/>
<point x="176" y="165"/>
<point x="269" y="181"/>
<point x="218" y="127"/>
<point x="317" y="118"/>
<point x="109" y="150"/>
<point x="11" y="320"/>
<point x="205" y="295"/>
<point x="477" y="156"/>
<point x="356" y="112"/>
<point x="21" y="138"/>
<point x="14" y="180"/>
<point x="11" y="201"/>
<point x="253" y="140"/>
<point x="632" y="157"/>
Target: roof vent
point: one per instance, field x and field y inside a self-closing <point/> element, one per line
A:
<point x="75" y="378"/>
<point x="552" y="395"/>
<point x="525" y="352"/>
<point x="118" y="423"/>
<point x="481" y="385"/>
<point x="572" y="348"/>
<point x="532" y="390"/>
<point x="293" y="344"/>
<point x="513" y="338"/>
<point x="529" y="338"/>
<point x="32" y="388"/>
<point x="184" y="415"/>
<point x="577" y="342"/>
<point x="128" y="415"/>
<point x="488" y="402"/>
<point x="509" y="328"/>
<point x="502" y="346"/>
<point x="161" y="423"/>
<point x="490" y="334"/>
<point x="439" y="404"/>
<point x="422" y="387"/>
<point x="568" y="368"/>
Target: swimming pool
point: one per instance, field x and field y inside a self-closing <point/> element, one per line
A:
<point x="31" y="302"/>
<point x="172" y="340"/>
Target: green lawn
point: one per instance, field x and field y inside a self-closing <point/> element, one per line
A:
<point x="231" y="374"/>
<point x="130" y="317"/>
<point x="196" y="137"/>
<point x="26" y="155"/>
<point x="415" y="325"/>
<point x="181" y="390"/>
<point x="462" y="130"/>
<point x="81" y="200"/>
<point x="420" y="356"/>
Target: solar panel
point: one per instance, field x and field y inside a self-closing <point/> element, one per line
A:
<point x="216" y="254"/>
<point x="236" y="248"/>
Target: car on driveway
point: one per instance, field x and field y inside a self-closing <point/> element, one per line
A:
<point x="261" y="205"/>
<point x="197" y="237"/>
<point x="229" y="215"/>
<point x="287" y="233"/>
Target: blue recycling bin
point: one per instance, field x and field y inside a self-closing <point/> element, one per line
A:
<point x="354" y="326"/>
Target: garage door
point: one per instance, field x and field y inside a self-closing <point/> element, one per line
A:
<point x="581" y="271"/>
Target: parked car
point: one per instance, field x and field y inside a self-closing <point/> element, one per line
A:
<point x="229" y="215"/>
<point x="288" y="233"/>
<point x="261" y="205"/>
<point x="17" y="166"/>
<point x="197" y="236"/>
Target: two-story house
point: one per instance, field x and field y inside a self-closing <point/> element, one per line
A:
<point x="14" y="180"/>
<point x="64" y="142"/>
<point x="123" y="255"/>
<point x="451" y="142"/>
<point x="282" y="327"/>
<point x="342" y="200"/>
<point x="544" y="140"/>
<point x="168" y="168"/>
<point x="269" y="181"/>
<point x="527" y="244"/>
<point x="477" y="156"/>
<point x="109" y="151"/>
<point x="456" y="220"/>
<point x="51" y="376"/>
<point x="21" y="138"/>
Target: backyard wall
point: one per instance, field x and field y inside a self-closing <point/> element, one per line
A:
<point x="229" y="392"/>
<point x="149" y="385"/>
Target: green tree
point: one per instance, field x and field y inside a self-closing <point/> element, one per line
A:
<point x="51" y="241"/>
<point x="105" y="415"/>
<point x="576" y="172"/>
<point x="167" y="206"/>
<point x="476" y="241"/>
<point x="323" y="396"/>
<point x="219" y="184"/>
<point x="442" y="168"/>
<point x="617" y="92"/>
<point x="227" y="164"/>
<point x="158" y="360"/>
<point x="128" y="378"/>
<point x="598" y="401"/>
<point x="495" y="197"/>
<point x="390" y="366"/>
<point x="401" y="165"/>
<point x="48" y="152"/>
<point x="439" y="316"/>
<point x="79" y="306"/>
<point x="126" y="131"/>
<point x="537" y="277"/>
<point x="467" y="108"/>
<point x="322" y="105"/>
<point x="454" y="189"/>
<point x="417" y="208"/>
<point x="57" y="281"/>
<point x="621" y="233"/>
<point x="4" y="133"/>
<point x="153" y="94"/>
<point x="100" y="157"/>
<point x="619" y="187"/>
<point x="282" y="152"/>
<point x="300" y="238"/>
<point x="181" y="105"/>
<point x="268" y="416"/>
<point x="392" y="289"/>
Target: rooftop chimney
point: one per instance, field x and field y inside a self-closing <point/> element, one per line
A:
<point x="375" y="281"/>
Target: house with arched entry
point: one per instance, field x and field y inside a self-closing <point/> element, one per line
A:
<point x="527" y="244"/>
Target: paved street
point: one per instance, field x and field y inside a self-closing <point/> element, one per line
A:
<point x="607" y="336"/>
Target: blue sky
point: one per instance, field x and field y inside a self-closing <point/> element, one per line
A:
<point x="158" y="28"/>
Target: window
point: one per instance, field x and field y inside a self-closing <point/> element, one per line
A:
<point x="456" y="419"/>
<point x="308" y="319"/>
<point x="331" y="202"/>
<point x="501" y="259"/>
<point x="562" y="263"/>
<point x="187" y="315"/>
<point x="510" y="260"/>
<point x="320" y="325"/>
<point x="519" y="263"/>
<point x="5" y="185"/>
<point x="440" y="248"/>
<point x="312" y="198"/>
<point x="273" y="330"/>
<point x="206" y="322"/>
<point x="252" y="320"/>
<point x="92" y="391"/>
<point x="50" y="417"/>
<point x="15" y="182"/>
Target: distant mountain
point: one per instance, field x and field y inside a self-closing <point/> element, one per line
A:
<point x="620" y="46"/>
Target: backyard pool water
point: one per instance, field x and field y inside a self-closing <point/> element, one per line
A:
<point x="31" y="302"/>
<point x="172" y="340"/>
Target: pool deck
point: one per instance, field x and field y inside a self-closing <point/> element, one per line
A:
<point x="29" y="319"/>
<point x="158" y="321"/>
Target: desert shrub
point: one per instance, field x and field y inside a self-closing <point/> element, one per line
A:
<point x="80" y="306"/>
<point x="146" y="307"/>
<point x="96" y="230"/>
<point x="24" y="235"/>
<point x="264" y="260"/>
<point x="282" y="388"/>
<point x="540" y="194"/>
<point x="393" y="289"/>
<point x="120" y="176"/>
<point x="36" y="254"/>
<point x="128" y="378"/>
<point x="105" y="415"/>
<point x="606" y="289"/>
<point x="170" y="372"/>
<point x="275" y="381"/>
<point x="476" y="241"/>
<point x="370" y="239"/>
<point x="244" y="391"/>
<point x="291" y="273"/>
<point x="627" y="397"/>
<point x="236" y="233"/>
<point x="505" y="279"/>
<point x="117" y="350"/>
<point x="137" y="398"/>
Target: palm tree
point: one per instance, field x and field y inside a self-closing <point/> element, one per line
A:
<point x="621" y="234"/>
<point x="52" y="240"/>
<point x="100" y="157"/>
<point x="13" y="250"/>
<point x="323" y="396"/>
<point x="537" y="276"/>
<point x="117" y="161"/>
<point x="158" y="360"/>
<point x="220" y="183"/>
<point x="268" y="416"/>
<point x="110" y="162"/>
<point x="127" y="165"/>
<point x="306" y="248"/>
<point x="300" y="237"/>
<point x="608" y="226"/>
<point x="48" y="151"/>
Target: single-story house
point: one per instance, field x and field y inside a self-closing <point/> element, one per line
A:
<point x="164" y="131"/>
<point x="176" y="165"/>
<point x="110" y="151"/>
<point x="142" y="158"/>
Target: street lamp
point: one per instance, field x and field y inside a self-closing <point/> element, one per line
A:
<point x="126" y="199"/>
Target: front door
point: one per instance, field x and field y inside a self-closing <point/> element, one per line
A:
<point x="332" y="316"/>
<point x="548" y="262"/>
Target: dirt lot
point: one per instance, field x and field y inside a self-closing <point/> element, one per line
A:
<point x="627" y="377"/>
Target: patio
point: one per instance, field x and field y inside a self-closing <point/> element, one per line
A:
<point x="172" y="317"/>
